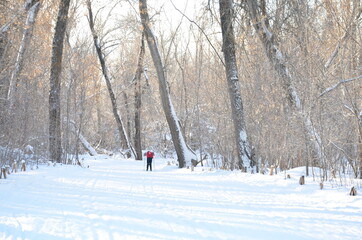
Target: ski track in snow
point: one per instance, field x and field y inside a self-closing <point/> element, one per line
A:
<point x="117" y="199"/>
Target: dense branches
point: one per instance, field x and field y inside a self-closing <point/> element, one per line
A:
<point x="296" y="65"/>
<point x="241" y="139"/>
<point x="184" y="153"/>
<point x="126" y="144"/>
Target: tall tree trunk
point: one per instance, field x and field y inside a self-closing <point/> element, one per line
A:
<point x="4" y="43"/>
<point x="241" y="139"/>
<point x="126" y="144"/>
<point x="184" y="153"/>
<point x="360" y="114"/>
<point x="55" y="143"/>
<point x="5" y="28"/>
<point x="99" y="115"/>
<point x="128" y="115"/>
<point x="359" y="146"/>
<point x="138" y="101"/>
<point x="67" y="116"/>
<point x="277" y="60"/>
<point x="3" y="46"/>
<point x="32" y="8"/>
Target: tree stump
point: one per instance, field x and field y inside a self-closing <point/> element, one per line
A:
<point x="271" y="170"/>
<point x="192" y="168"/>
<point x="353" y="191"/>
<point x="333" y="173"/>
<point x="262" y="169"/>
<point x="3" y="172"/>
<point x="23" y="166"/>
<point x="302" y="180"/>
<point x="194" y="162"/>
<point x="14" y="167"/>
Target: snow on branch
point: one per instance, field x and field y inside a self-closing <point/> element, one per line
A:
<point x="13" y="19"/>
<point x="268" y="34"/>
<point x="343" y="38"/>
<point x="88" y="147"/>
<point x="333" y="56"/>
<point x="5" y="28"/>
<point x="339" y="83"/>
<point x="349" y="109"/>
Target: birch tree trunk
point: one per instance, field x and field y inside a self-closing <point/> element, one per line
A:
<point x="277" y="60"/>
<point x="138" y="101"/>
<point x="55" y="143"/>
<point x="241" y="139"/>
<point x="126" y="144"/>
<point x="32" y="8"/>
<point x="4" y="29"/>
<point x="184" y="153"/>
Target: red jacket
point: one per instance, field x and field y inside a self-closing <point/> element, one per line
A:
<point x="150" y="154"/>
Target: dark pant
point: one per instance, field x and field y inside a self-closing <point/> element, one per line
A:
<point x="149" y="163"/>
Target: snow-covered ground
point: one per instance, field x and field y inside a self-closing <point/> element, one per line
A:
<point x="116" y="199"/>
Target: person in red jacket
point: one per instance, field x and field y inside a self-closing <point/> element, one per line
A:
<point x="149" y="156"/>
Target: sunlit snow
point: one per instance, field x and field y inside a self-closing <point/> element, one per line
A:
<point x="116" y="199"/>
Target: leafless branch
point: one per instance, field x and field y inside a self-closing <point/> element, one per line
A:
<point x="339" y="83"/>
<point x="202" y="30"/>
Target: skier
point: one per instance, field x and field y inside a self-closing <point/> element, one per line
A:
<point x="149" y="156"/>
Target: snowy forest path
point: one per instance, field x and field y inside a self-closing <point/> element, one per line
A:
<point x="116" y="199"/>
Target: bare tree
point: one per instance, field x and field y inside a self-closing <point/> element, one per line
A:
<point x="184" y="153"/>
<point x="55" y="143"/>
<point x="32" y="7"/>
<point x="126" y="144"/>
<point x="87" y="146"/>
<point x="138" y="100"/>
<point x="241" y="139"/>
<point x="277" y="60"/>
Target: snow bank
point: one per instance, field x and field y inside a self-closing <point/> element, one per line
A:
<point x="116" y="199"/>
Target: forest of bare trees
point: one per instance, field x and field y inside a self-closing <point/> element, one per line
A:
<point x="246" y="84"/>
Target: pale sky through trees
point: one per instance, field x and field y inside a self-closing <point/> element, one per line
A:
<point x="163" y="12"/>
